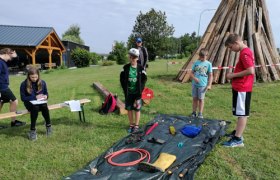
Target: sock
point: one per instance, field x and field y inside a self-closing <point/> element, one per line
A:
<point x="237" y="138"/>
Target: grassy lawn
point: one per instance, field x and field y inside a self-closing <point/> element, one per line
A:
<point x="74" y="144"/>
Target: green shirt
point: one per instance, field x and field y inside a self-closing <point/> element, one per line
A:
<point x="132" y="79"/>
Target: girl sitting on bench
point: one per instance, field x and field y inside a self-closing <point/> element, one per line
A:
<point x="34" y="94"/>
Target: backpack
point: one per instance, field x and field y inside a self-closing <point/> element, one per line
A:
<point x="109" y="105"/>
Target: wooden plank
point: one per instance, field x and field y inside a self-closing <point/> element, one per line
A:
<point x="104" y="92"/>
<point x="51" y="107"/>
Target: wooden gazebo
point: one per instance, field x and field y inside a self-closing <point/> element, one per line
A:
<point x="33" y="40"/>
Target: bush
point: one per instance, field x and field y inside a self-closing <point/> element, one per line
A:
<point x="81" y="57"/>
<point x="95" y="58"/>
<point x="119" y="53"/>
<point x="108" y="63"/>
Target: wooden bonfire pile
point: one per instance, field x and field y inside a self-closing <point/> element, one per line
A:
<point x="249" y="19"/>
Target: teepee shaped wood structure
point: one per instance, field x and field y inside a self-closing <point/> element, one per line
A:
<point x="249" y="19"/>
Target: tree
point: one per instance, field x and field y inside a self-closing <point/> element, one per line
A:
<point x="188" y="43"/>
<point x="154" y="30"/>
<point x="119" y="53"/>
<point x="73" y="35"/>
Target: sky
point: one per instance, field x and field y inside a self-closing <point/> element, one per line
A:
<point x="104" y="21"/>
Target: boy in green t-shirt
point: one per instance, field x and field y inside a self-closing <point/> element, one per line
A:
<point x="133" y="78"/>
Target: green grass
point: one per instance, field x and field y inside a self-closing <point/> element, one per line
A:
<point x="74" y="144"/>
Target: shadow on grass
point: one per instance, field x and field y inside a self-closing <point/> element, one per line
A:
<point x="23" y="130"/>
<point x="167" y="77"/>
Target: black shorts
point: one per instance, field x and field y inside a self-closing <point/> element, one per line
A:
<point x="7" y="95"/>
<point x="130" y="103"/>
<point x="241" y="103"/>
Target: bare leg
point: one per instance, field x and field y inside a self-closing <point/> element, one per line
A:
<point x="13" y="108"/>
<point x="195" y="103"/>
<point x="240" y="126"/>
<point x="200" y="105"/>
<point x="130" y="117"/>
<point x="137" y="117"/>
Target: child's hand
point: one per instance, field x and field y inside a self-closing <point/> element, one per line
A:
<point x="208" y="87"/>
<point x="196" y="80"/>
<point x="230" y="76"/>
<point x="41" y="97"/>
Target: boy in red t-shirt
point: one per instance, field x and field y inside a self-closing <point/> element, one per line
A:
<point x="242" y="80"/>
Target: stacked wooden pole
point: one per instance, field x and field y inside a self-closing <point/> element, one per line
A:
<point x="249" y="19"/>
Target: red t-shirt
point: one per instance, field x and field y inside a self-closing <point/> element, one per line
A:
<point x="245" y="83"/>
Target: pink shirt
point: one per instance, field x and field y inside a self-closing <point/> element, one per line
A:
<point x="245" y="83"/>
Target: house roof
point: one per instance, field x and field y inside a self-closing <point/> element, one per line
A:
<point x="23" y="35"/>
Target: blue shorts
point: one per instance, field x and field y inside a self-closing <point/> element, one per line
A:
<point x="198" y="92"/>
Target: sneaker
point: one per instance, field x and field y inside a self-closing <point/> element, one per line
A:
<point x="32" y="135"/>
<point x="232" y="134"/>
<point x="17" y="123"/>
<point x="200" y="116"/>
<point x="233" y="143"/>
<point x="130" y="130"/>
<point x="49" y="131"/>
<point x="193" y="114"/>
<point x="135" y="129"/>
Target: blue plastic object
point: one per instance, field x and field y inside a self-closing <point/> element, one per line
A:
<point x="180" y="144"/>
<point x="191" y="130"/>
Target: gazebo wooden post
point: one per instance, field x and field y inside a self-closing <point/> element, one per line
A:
<point x="50" y="58"/>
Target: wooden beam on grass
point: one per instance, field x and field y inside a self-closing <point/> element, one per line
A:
<point x="105" y="92"/>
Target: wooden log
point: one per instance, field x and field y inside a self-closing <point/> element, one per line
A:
<point x="239" y="16"/>
<point x="259" y="57"/>
<point x="243" y="21"/>
<point x="269" y="58"/>
<point x="250" y="28"/>
<point x="259" y="20"/>
<point x="223" y="48"/>
<point x="275" y="57"/>
<point x="225" y="64"/>
<point x="104" y="92"/>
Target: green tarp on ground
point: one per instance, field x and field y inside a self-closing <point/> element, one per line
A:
<point x="189" y="152"/>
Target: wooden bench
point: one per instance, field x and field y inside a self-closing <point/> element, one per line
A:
<point x="50" y="65"/>
<point x="51" y="107"/>
<point x="38" y="66"/>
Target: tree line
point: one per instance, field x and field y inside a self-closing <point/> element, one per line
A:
<point x="157" y="34"/>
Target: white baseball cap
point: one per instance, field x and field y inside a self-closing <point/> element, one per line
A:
<point x="134" y="52"/>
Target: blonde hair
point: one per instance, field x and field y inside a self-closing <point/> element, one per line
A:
<point x="203" y="52"/>
<point x="32" y="71"/>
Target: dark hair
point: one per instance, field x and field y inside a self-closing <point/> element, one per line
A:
<point x="203" y="52"/>
<point x="232" y="38"/>
<point x="32" y="71"/>
<point x="6" y="51"/>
